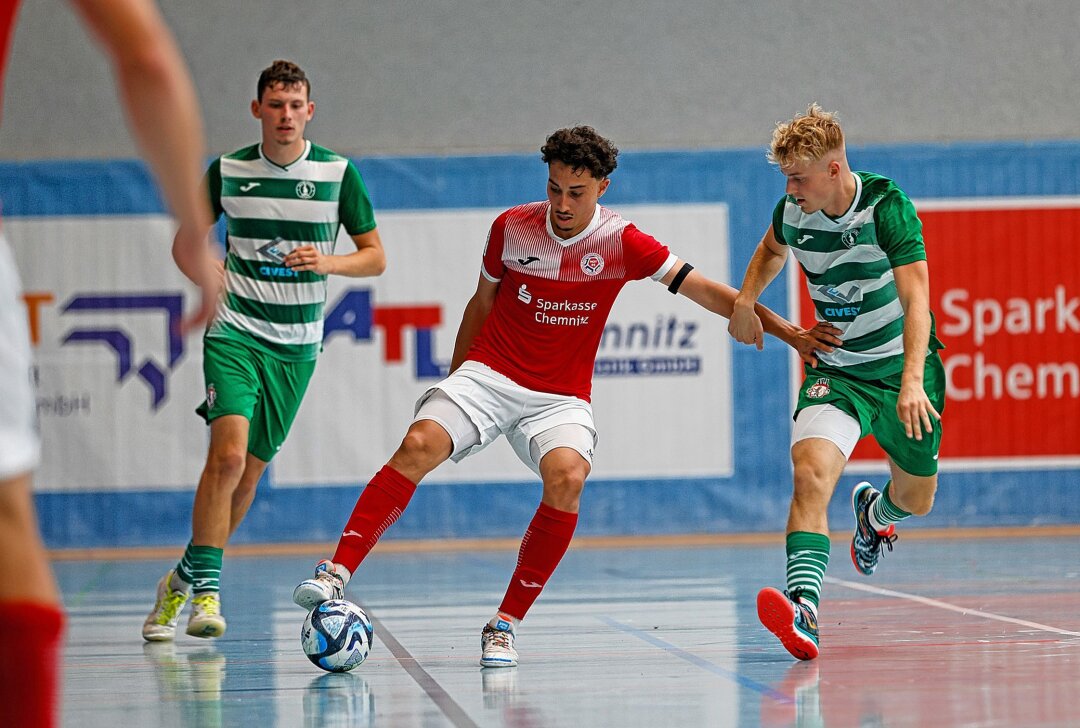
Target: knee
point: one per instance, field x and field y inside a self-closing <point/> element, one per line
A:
<point x="811" y="484"/>
<point x="226" y="463"/>
<point x="918" y="503"/>
<point x="563" y="488"/>
<point x="420" y="449"/>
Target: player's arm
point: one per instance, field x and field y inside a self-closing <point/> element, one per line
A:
<point x="746" y="325"/>
<point x="720" y="299"/>
<point x="163" y="111"/>
<point x="476" y="313"/>
<point x="913" y="406"/>
<point x="369" y="258"/>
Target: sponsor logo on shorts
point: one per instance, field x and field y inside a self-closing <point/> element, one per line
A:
<point x="211" y="396"/>
<point x="592" y="264"/>
<point x="818" y="389"/>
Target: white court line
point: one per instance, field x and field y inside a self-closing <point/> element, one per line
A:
<point x="951" y="607"/>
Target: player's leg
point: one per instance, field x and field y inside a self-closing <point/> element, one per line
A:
<point x="244" y="495"/>
<point x="440" y="429"/>
<point x="233" y="386"/>
<point x="823" y="438"/>
<point x="564" y="455"/>
<point x="913" y="465"/>
<point x="31" y="619"/>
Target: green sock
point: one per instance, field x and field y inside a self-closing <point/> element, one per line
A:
<point x="807" y="559"/>
<point x="884" y="512"/>
<point x="200" y="566"/>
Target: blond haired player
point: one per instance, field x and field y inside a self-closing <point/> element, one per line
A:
<point x="859" y="241"/>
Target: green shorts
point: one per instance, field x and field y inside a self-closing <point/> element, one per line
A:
<point x="873" y="404"/>
<point x="242" y="380"/>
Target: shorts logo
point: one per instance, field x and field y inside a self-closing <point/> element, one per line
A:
<point x="211" y="396"/>
<point x="305" y="190"/>
<point x="818" y="389"/>
<point x="592" y="264"/>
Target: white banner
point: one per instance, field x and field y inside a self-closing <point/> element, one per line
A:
<point x="117" y="392"/>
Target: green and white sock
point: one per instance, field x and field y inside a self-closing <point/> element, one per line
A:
<point x="884" y="512"/>
<point x="200" y="566"/>
<point x="807" y="559"/>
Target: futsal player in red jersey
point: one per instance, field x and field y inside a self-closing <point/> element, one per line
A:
<point x="161" y="106"/>
<point x="522" y="367"/>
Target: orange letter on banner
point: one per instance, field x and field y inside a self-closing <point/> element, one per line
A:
<point x="33" y="303"/>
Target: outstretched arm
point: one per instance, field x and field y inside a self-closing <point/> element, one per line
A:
<point x="163" y="111"/>
<point x="768" y="260"/>
<point x="721" y="298"/>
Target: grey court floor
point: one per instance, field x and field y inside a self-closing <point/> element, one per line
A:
<point x="948" y="633"/>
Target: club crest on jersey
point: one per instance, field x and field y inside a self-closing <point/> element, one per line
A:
<point x="592" y="264"/>
<point x="305" y="190"/>
<point x="211" y="396"/>
<point x="818" y="389"/>
<point x="850" y="237"/>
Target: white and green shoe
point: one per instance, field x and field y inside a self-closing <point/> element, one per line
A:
<point x="160" y="625"/>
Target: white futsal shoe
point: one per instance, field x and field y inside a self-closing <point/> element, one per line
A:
<point x="328" y="584"/>
<point x="160" y="624"/>
<point x="497" y="643"/>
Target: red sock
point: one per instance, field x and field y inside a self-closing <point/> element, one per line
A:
<point x="378" y="506"/>
<point x="30" y="635"/>
<point x="545" y="542"/>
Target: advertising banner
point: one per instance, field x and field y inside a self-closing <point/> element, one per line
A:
<point x="117" y="388"/>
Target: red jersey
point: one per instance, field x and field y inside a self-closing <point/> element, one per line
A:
<point x="555" y="295"/>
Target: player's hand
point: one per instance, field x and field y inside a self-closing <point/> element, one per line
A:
<point x="824" y="337"/>
<point x="915" y="411"/>
<point x="192" y="254"/>
<point x="308" y="258"/>
<point x="745" y="327"/>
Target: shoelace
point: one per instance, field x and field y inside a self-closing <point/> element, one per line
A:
<point x="497" y="638"/>
<point x="207" y="604"/>
<point x="171" y="605"/>
<point x="887" y="541"/>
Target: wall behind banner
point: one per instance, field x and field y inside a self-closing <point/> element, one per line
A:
<point x="101" y="328"/>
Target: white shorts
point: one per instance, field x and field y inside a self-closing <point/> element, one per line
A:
<point x="489" y="404"/>
<point x="829" y="423"/>
<point x="20" y="447"/>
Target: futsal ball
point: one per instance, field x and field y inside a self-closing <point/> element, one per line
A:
<point x="336" y="635"/>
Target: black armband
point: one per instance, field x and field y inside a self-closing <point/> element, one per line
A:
<point x="678" y="279"/>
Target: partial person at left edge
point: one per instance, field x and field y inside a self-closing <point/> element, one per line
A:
<point x="162" y="110"/>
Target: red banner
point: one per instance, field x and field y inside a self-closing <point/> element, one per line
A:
<point x="1005" y="289"/>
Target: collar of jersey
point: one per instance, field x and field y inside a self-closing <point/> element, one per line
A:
<point x="289" y="166"/>
<point x="854" y="203"/>
<point x="566" y="243"/>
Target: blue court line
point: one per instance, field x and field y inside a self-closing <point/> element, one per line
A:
<point x="699" y="661"/>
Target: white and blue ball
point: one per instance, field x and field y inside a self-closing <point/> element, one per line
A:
<point x="336" y="635"/>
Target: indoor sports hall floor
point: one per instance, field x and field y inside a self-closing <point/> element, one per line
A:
<point x="957" y="632"/>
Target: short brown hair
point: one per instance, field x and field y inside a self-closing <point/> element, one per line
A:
<point x="286" y="73"/>
<point x="806" y="138"/>
<point x="580" y="147"/>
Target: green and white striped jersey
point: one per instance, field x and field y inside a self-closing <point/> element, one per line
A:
<point x="265" y="303"/>
<point x="848" y="262"/>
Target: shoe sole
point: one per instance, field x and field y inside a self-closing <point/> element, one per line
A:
<point x="207" y="631"/>
<point x="501" y="662"/>
<point x="159" y="637"/>
<point x="778" y="616"/>
<point x="308" y="598"/>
